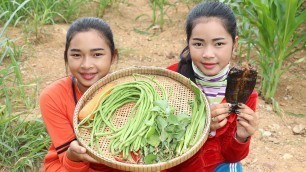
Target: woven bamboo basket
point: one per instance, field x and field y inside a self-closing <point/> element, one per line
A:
<point x="182" y="93"/>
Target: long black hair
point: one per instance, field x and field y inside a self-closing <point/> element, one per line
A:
<point x="205" y="10"/>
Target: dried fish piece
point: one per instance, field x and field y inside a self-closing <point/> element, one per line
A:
<point x="240" y="84"/>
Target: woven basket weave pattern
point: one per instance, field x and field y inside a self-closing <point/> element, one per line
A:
<point x="179" y="92"/>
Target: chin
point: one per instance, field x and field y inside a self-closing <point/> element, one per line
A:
<point x="209" y="73"/>
<point x="89" y="83"/>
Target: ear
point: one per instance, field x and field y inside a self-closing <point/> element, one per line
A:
<point x="115" y="56"/>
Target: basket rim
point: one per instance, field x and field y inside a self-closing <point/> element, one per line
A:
<point x="122" y="165"/>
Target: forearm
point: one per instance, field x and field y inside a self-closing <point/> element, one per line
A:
<point x="235" y="149"/>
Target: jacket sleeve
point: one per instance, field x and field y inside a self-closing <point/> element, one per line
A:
<point x="232" y="150"/>
<point x="173" y="67"/>
<point x="60" y="129"/>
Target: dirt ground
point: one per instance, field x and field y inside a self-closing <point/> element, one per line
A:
<point x="274" y="147"/>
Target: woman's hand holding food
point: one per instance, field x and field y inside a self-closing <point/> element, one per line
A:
<point x="219" y="114"/>
<point x="77" y="153"/>
<point x="247" y="122"/>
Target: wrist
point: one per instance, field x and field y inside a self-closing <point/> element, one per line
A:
<point x="241" y="139"/>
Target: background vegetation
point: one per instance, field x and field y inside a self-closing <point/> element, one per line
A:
<point x="271" y="27"/>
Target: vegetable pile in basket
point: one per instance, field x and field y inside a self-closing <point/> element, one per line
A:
<point x="153" y="132"/>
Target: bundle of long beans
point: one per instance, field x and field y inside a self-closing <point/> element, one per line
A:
<point x="133" y="135"/>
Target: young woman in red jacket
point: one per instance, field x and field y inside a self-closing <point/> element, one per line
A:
<point x="211" y="39"/>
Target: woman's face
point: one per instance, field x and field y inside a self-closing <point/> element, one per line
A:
<point x="89" y="58"/>
<point x="210" y="46"/>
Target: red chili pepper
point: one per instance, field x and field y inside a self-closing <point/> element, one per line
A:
<point x="135" y="157"/>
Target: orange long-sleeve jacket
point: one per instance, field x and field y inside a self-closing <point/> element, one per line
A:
<point x="57" y="107"/>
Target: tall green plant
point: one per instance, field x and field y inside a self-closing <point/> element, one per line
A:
<point x="11" y="73"/>
<point x="48" y="10"/>
<point x="159" y="11"/>
<point x="103" y="4"/>
<point x="7" y="8"/>
<point x="41" y="12"/>
<point x="22" y="143"/>
<point x="276" y="37"/>
<point x="244" y="30"/>
<point x="69" y="9"/>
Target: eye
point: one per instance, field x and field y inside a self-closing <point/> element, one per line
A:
<point x="75" y="55"/>
<point x="219" y="44"/>
<point x="197" y="44"/>
<point x="98" y="54"/>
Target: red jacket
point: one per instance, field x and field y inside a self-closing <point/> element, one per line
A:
<point x="223" y="147"/>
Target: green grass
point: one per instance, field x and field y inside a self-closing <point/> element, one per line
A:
<point x="299" y="115"/>
<point x="49" y="11"/>
<point x="159" y="12"/>
<point x="36" y="13"/>
<point x="23" y="144"/>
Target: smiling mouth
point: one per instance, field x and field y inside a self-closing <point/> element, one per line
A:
<point x="209" y="65"/>
<point x="88" y="76"/>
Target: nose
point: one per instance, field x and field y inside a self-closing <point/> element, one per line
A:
<point x="87" y="63"/>
<point x="208" y="51"/>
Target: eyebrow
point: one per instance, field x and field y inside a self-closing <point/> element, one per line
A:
<point x="97" y="49"/>
<point x="200" y="39"/>
<point x="94" y="49"/>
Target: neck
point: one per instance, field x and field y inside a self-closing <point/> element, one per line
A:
<point x="213" y="86"/>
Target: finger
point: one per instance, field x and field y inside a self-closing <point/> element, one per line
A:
<point x="220" y="117"/>
<point x="248" y="115"/>
<point x="243" y="106"/>
<point x="245" y="110"/>
<point x="216" y="125"/>
<point x="249" y="128"/>
<point x="222" y="105"/>
<point x="220" y="111"/>
<point x="245" y="116"/>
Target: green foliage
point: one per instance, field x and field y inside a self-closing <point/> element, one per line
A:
<point x="244" y="30"/>
<point x="69" y="9"/>
<point x="159" y="11"/>
<point x="10" y="75"/>
<point x="165" y="133"/>
<point x="23" y="144"/>
<point x="276" y="37"/>
<point x="103" y="4"/>
<point x="7" y="8"/>
<point x="300" y="115"/>
<point x="39" y="13"/>
<point x="159" y="6"/>
<point x="48" y="11"/>
<point x="191" y="2"/>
